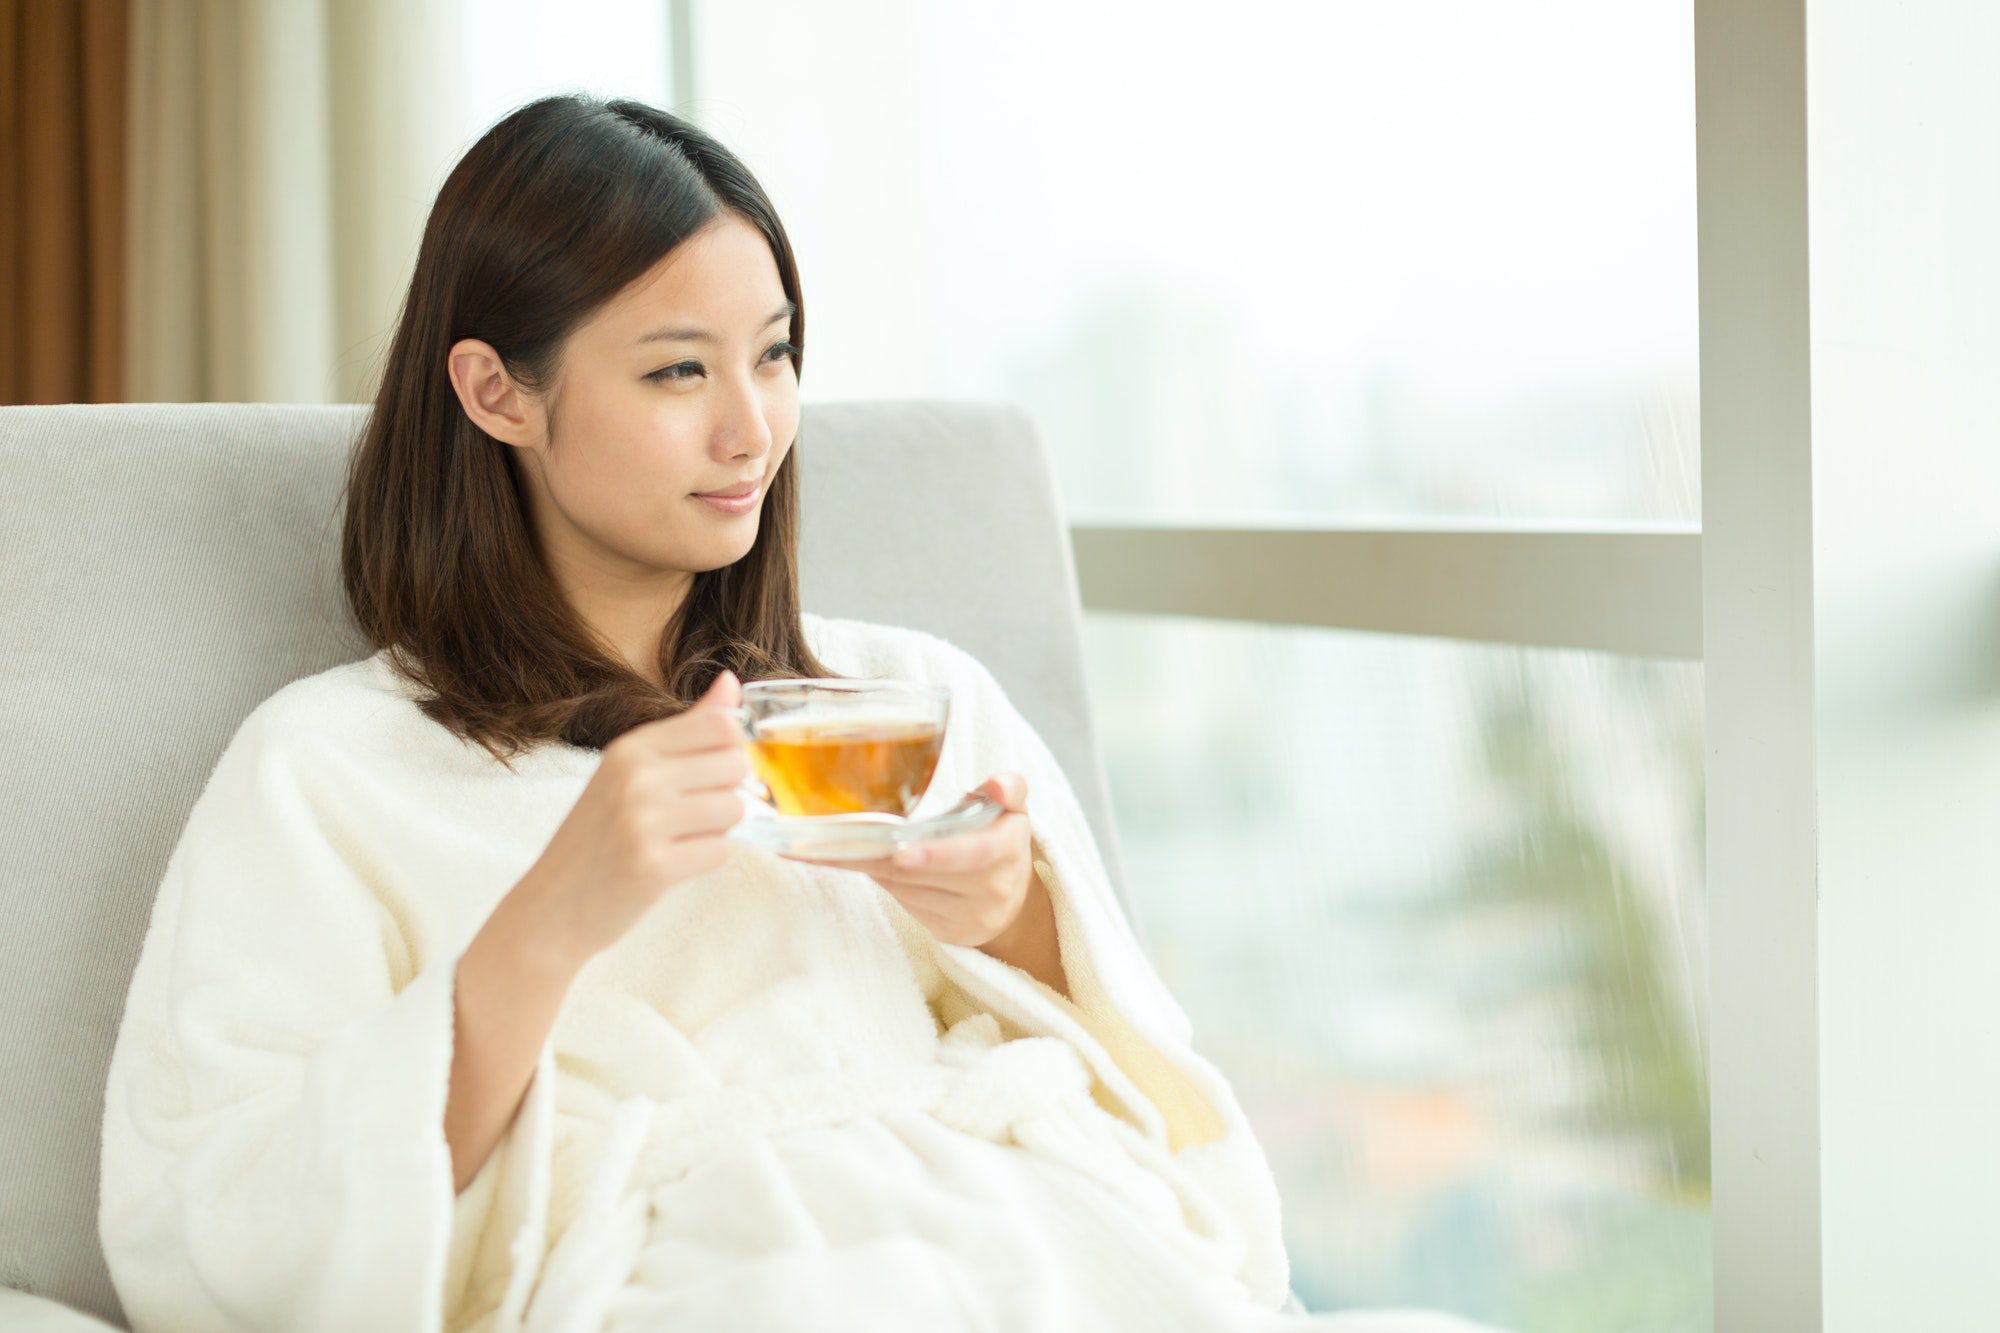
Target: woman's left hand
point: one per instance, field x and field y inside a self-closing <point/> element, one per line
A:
<point x="968" y="889"/>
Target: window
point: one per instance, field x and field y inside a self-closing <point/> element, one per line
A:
<point x="1437" y="911"/>
<point x="1436" y="906"/>
<point x="1430" y="258"/>
<point x="518" y="50"/>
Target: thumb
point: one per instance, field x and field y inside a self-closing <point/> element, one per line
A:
<point x="1007" y="787"/>
<point x="724" y="690"/>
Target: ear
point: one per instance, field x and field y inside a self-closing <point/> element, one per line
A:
<point x="489" y="395"/>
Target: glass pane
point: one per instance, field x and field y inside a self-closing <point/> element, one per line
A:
<point x="518" y="50"/>
<point x="1437" y="910"/>
<point x="1435" y="257"/>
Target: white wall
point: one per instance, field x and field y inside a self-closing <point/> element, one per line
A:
<point x="1903" y="112"/>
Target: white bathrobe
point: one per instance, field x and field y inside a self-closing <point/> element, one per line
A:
<point x="777" y="1103"/>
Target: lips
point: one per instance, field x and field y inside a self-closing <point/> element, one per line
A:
<point x="736" y="493"/>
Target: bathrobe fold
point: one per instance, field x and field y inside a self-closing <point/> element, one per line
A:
<point x="273" y="1151"/>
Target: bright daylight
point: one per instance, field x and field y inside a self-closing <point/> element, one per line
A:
<point x="1045" y="668"/>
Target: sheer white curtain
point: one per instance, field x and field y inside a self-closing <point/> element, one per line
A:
<point x="284" y="154"/>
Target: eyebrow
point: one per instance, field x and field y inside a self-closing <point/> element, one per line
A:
<point x="704" y="336"/>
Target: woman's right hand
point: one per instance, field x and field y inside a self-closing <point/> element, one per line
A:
<point x="652" y="815"/>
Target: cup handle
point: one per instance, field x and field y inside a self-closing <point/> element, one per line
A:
<point x="756" y="799"/>
<point x="755" y="792"/>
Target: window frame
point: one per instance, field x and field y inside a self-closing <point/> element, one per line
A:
<point x="1733" y="592"/>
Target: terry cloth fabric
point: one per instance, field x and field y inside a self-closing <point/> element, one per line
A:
<point x="778" y="1102"/>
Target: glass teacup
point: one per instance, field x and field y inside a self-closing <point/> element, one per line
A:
<point x="827" y="746"/>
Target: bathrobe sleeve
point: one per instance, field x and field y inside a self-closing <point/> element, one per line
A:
<point x="273" y="1139"/>
<point x="1117" y="996"/>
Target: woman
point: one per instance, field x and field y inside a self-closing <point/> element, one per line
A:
<point x="458" y="1011"/>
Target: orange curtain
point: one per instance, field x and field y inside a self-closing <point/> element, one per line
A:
<point x="62" y="197"/>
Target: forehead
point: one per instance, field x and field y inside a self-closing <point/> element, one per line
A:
<point x="723" y="278"/>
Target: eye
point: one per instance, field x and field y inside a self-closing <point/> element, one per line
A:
<point x="674" y="372"/>
<point x="682" y="370"/>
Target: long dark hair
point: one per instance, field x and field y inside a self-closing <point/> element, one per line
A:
<point x="555" y="210"/>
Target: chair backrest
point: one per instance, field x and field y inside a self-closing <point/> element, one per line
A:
<point x="165" y="567"/>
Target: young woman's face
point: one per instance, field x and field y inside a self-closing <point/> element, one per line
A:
<point x="681" y="384"/>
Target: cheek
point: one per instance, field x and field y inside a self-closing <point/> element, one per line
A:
<point x="632" y="467"/>
<point x="636" y="467"/>
<point x="783" y="419"/>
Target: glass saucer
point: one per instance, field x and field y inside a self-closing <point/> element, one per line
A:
<point x="861" y="836"/>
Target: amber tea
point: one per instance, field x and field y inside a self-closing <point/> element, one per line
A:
<point x="834" y="747"/>
<point x="837" y="768"/>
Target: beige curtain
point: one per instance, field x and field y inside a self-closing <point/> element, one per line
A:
<point x="62" y="152"/>
<point x="284" y="156"/>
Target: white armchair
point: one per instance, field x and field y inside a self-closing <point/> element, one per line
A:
<point x="164" y="568"/>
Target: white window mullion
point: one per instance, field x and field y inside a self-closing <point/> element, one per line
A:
<point x="1632" y="588"/>
<point x="1756" y="434"/>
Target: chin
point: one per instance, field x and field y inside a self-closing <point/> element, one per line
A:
<point x="736" y="550"/>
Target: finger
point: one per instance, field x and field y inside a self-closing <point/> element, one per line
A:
<point x="698" y="814"/>
<point x="952" y="856"/>
<point x="709" y="770"/>
<point x="1007" y="787"/>
<point x="698" y="728"/>
<point x="942" y="903"/>
<point x="712" y="720"/>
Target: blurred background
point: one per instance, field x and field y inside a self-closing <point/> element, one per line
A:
<point x="1434" y="901"/>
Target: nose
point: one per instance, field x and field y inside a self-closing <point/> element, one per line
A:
<point x="744" y="431"/>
